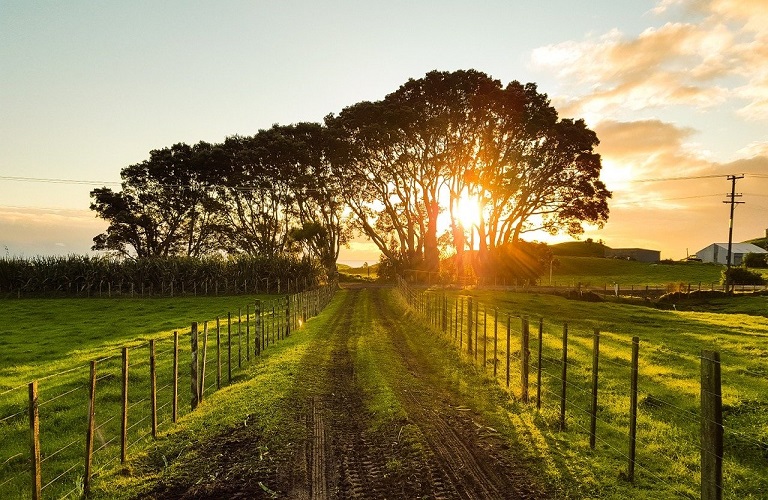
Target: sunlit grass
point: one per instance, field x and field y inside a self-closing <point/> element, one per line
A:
<point x="668" y="453"/>
<point x="596" y="271"/>
<point x="54" y="340"/>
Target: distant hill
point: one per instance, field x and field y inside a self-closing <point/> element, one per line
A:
<point x="761" y="242"/>
<point x="587" y="248"/>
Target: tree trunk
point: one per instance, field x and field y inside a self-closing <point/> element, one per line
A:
<point x="431" y="253"/>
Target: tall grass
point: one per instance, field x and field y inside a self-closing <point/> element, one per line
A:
<point x="81" y="275"/>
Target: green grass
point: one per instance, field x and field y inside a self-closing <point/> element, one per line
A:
<point x="671" y="342"/>
<point x="259" y="399"/>
<point x="594" y="271"/>
<point x="54" y="340"/>
<point x="668" y="421"/>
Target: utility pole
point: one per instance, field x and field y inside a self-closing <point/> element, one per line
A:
<point x="733" y="203"/>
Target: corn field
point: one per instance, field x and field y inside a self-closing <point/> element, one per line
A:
<point x="89" y="276"/>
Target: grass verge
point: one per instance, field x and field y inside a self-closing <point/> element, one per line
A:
<point x="53" y="341"/>
<point x="669" y="419"/>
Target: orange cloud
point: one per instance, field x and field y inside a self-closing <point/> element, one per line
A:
<point x="701" y="64"/>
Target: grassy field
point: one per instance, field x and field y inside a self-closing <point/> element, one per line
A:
<point x="54" y="340"/>
<point x="594" y="271"/>
<point x="668" y="455"/>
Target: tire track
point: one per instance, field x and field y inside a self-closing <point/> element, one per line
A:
<point x="342" y="459"/>
<point x="457" y="465"/>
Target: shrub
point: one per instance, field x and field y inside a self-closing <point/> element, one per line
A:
<point x="743" y="276"/>
<point x="755" y="260"/>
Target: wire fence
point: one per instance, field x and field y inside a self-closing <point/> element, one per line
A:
<point x="61" y="431"/>
<point x="673" y="432"/>
<point x="577" y="286"/>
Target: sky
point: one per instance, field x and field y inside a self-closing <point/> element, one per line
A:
<point x="677" y="91"/>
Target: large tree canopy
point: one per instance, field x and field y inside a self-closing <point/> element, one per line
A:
<point x="403" y="171"/>
<point x="163" y="209"/>
<point x="453" y="138"/>
<point x="268" y="195"/>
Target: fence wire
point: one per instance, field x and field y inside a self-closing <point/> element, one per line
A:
<point x="675" y="439"/>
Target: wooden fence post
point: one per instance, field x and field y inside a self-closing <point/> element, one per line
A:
<point x="218" y="353"/>
<point x="461" y="325"/>
<point x="239" y="334"/>
<point x="247" y="333"/>
<point x="287" y="317"/>
<point x="538" y="365"/>
<point x="711" y="427"/>
<point x="469" y="326"/>
<point x="509" y="342"/>
<point x="525" y="355"/>
<point x="455" y="318"/>
<point x="204" y="361"/>
<point x="90" y="431"/>
<point x="257" y="333"/>
<point x="193" y="365"/>
<point x="477" y="322"/>
<point x="444" y="317"/>
<point x="485" y="337"/>
<point x="124" y="421"/>
<point x="563" y="377"/>
<point x="595" y="371"/>
<point x="633" y="408"/>
<point x="153" y="386"/>
<point x="229" y="348"/>
<point x="175" y="409"/>
<point x="495" y="342"/>
<point x="34" y="435"/>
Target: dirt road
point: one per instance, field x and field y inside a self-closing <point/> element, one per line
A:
<point x="383" y="418"/>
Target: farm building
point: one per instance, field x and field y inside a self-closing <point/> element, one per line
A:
<point x="718" y="252"/>
<point x="638" y="254"/>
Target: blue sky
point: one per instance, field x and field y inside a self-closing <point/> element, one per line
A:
<point x="673" y="88"/>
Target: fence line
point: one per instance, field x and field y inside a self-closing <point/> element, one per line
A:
<point x="124" y="406"/>
<point x="571" y="387"/>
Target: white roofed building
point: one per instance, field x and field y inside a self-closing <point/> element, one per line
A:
<point x="718" y="252"/>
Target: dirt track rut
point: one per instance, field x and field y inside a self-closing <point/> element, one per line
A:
<point x="347" y="460"/>
<point x="434" y="446"/>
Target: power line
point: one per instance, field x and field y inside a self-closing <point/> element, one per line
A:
<point x="43" y="209"/>
<point x="681" y="178"/>
<point x="640" y="202"/>
<point x="49" y="180"/>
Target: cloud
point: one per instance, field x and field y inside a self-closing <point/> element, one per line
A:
<point x="754" y="149"/>
<point x="645" y="149"/>
<point x="669" y="196"/>
<point x="701" y="64"/>
<point x="29" y="231"/>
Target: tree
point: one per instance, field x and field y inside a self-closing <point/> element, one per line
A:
<point x="453" y="137"/>
<point x="281" y="193"/>
<point x="254" y="195"/>
<point x="441" y="138"/>
<point x="755" y="260"/>
<point x="164" y="207"/>
<point x="316" y="185"/>
<point x="377" y="186"/>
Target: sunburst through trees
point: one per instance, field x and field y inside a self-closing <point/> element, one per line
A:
<point x="493" y="161"/>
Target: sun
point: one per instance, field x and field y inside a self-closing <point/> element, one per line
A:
<point x="468" y="211"/>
